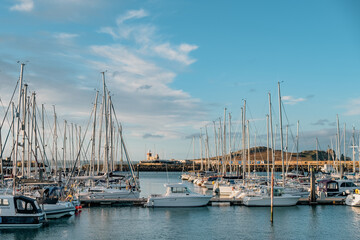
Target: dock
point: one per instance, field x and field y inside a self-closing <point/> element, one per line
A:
<point x="215" y="201"/>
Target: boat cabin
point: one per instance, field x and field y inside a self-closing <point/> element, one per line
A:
<point x="20" y="211"/>
<point x="336" y="187"/>
<point x="176" y="189"/>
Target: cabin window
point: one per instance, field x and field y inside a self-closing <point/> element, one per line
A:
<point x="24" y="206"/>
<point x="351" y="184"/>
<point x="343" y="185"/>
<point x="4" y="202"/>
<point x="332" y="185"/>
<point x="179" y="190"/>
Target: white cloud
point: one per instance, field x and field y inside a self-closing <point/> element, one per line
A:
<point x="23" y="6"/>
<point x="179" y="53"/>
<point x="148" y="38"/>
<point x="65" y="35"/>
<point x="352" y="107"/>
<point x="131" y="14"/>
<point x="291" y="100"/>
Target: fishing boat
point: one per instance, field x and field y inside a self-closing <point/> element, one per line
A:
<point x="178" y="195"/>
<point x="263" y="198"/>
<point x="20" y="212"/>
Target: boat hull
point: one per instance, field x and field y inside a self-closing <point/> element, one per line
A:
<point x="121" y="194"/>
<point x="261" y="201"/>
<point x="198" y="201"/>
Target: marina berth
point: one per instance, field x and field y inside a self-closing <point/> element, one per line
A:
<point x="178" y="195"/>
<point x="20" y="212"/>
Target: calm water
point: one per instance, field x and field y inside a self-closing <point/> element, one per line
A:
<point x="238" y="222"/>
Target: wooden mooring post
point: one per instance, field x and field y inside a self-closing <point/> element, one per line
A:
<point x="312" y="197"/>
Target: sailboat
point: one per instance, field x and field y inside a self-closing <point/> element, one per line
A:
<point x="263" y="198"/>
<point x="102" y="189"/>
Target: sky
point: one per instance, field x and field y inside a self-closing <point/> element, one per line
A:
<point x="173" y="66"/>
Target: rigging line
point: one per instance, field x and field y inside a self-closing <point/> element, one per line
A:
<point x="12" y="96"/>
<point x="287" y="119"/>
<point x="192" y="139"/>
<point x="124" y="145"/>
<point x="79" y="152"/>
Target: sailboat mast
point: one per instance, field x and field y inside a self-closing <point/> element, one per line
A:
<point x="243" y="112"/>
<point x="297" y="148"/>
<point x="267" y="147"/>
<point x="18" y="127"/>
<point x="92" y="160"/>
<point x="23" y="124"/>
<point x="271" y="134"/>
<point x="224" y="143"/>
<point x="230" y="155"/>
<point x="281" y="136"/>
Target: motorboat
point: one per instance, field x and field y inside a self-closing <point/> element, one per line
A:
<point x="20" y="212"/>
<point x="263" y="198"/>
<point x="49" y="200"/>
<point x="178" y="195"/>
<point x="331" y="187"/>
<point x="59" y="209"/>
<point x="353" y="199"/>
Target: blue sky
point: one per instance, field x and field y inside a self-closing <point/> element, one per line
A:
<point x="173" y="66"/>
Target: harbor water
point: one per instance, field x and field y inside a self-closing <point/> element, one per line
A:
<point x="230" y="222"/>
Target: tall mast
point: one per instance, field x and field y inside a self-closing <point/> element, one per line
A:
<point x="23" y="124"/>
<point x="353" y="148"/>
<point x="267" y="147"/>
<point x="281" y="136"/>
<point x="111" y="136"/>
<point x="106" y="125"/>
<point x="297" y="148"/>
<point x="344" y="142"/>
<point x="317" y="154"/>
<point x="193" y="162"/>
<point x="207" y="150"/>
<point x="338" y="143"/>
<point x="55" y="143"/>
<point x="92" y="160"/>
<point x="271" y="134"/>
<point x="201" y="152"/>
<point x="30" y="138"/>
<point x="243" y="112"/>
<point x="64" y="148"/>
<point x="216" y="147"/>
<point x="248" y="138"/>
<point x="18" y="127"/>
<point x="224" y="142"/>
<point x="230" y="155"/>
<point x="34" y="122"/>
<point x="287" y="147"/>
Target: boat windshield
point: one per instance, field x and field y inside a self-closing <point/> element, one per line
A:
<point x="179" y="190"/>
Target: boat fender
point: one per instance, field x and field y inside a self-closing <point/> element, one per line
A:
<point x="213" y="182"/>
<point x="357" y="191"/>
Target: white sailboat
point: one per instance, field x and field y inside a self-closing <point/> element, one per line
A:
<point x="263" y="198"/>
